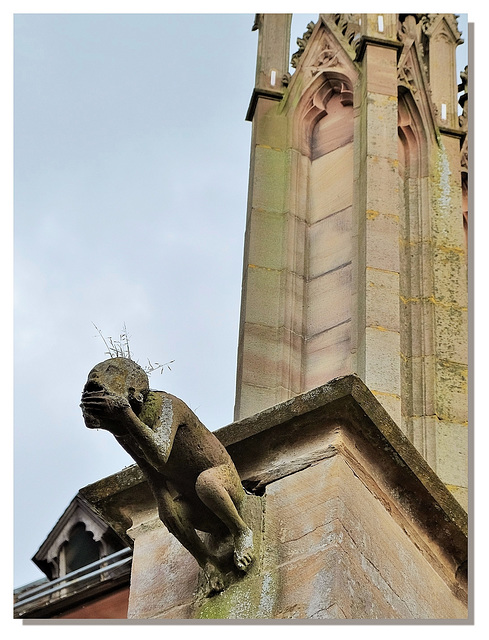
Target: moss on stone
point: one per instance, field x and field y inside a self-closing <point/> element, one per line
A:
<point x="151" y="408"/>
<point x="250" y="598"/>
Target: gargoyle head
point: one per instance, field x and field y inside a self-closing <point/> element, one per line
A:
<point x="121" y="377"/>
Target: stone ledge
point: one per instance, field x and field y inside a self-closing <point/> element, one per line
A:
<point x="261" y="93"/>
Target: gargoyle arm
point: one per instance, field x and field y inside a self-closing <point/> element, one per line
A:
<point x="154" y="444"/>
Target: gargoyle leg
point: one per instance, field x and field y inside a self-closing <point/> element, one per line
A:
<point x="177" y="524"/>
<point x="221" y="491"/>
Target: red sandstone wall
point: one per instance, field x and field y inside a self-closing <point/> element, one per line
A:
<point x="112" y="606"/>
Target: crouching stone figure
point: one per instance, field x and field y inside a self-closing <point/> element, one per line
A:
<point x="193" y="478"/>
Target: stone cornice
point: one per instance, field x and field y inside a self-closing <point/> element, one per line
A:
<point x="453" y="133"/>
<point x="378" y="42"/>
<point x="261" y="93"/>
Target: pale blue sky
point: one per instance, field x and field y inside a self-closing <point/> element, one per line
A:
<point x="131" y="176"/>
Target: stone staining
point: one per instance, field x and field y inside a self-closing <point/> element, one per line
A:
<point x="193" y="479"/>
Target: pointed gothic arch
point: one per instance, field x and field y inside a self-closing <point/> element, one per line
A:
<point x="323" y="135"/>
<point x="313" y="104"/>
<point x="416" y="284"/>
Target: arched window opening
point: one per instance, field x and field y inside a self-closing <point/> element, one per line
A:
<point x="417" y="390"/>
<point x="329" y="237"/>
<point x="80" y="550"/>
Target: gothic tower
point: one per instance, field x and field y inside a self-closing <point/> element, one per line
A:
<point x="355" y="251"/>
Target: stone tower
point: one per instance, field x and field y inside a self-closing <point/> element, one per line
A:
<point x="355" y="251"/>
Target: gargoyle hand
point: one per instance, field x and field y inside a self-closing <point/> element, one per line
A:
<point x="104" y="409"/>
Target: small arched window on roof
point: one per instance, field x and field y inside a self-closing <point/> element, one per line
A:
<point x="79" y="538"/>
<point x="80" y="550"/>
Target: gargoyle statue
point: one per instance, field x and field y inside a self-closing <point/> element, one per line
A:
<point x="192" y="476"/>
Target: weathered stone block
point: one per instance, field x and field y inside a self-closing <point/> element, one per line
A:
<point x="284" y="294"/>
<point x="416" y="314"/>
<point x="270" y="179"/>
<point x="268" y="231"/>
<point x="383" y="366"/>
<point x="416" y="269"/>
<point x="452" y="453"/>
<point x="290" y="369"/>
<point x="260" y="356"/>
<point x="295" y="244"/>
<point x="451" y="339"/>
<point x="382" y="250"/>
<point x="446" y="197"/>
<point x="272" y="128"/>
<point x="417" y="229"/>
<point x="328" y="300"/>
<point x="451" y="391"/>
<point x="420" y="398"/>
<point x="450" y="276"/>
<point x="318" y="558"/>
<point x="330" y="243"/>
<point x="272" y="359"/>
<point x="382" y="299"/>
<point x="265" y="284"/>
<point x="299" y="175"/>
<point x="334" y="130"/>
<point x="382" y="120"/>
<point x="332" y="180"/>
<point x="328" y="355"/>
<point x="382" y="191"/>
<point x="294" y="292"/>
<point x="159" y="562"/>
<point x="381" y="70"/>
<point x="254" y="398"/>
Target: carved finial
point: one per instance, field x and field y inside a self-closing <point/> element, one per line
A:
<point x="454" y="22"/>
<point x="301" y="42"/>
<point x="408" y="27"/>
<point x="349" y="26"/>
<point x="429" y="23"/>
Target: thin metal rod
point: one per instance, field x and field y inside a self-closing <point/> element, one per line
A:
<point x="72" y="578"/>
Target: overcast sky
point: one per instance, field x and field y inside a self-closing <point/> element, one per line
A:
<point x="131" y="176"/>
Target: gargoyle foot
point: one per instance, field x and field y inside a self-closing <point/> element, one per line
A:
<point x="214" y="579"/>
<point x="243" y="549"/>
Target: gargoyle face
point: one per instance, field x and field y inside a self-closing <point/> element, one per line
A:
<point x="122" y="377"/>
